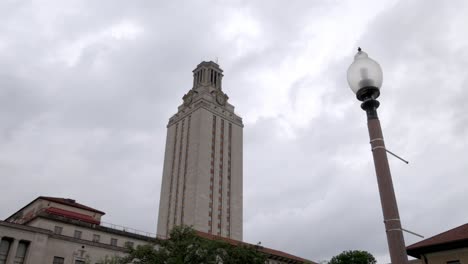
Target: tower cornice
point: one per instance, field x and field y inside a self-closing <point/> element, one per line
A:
<point x="208" y="105"/>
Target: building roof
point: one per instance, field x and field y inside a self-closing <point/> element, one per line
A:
<point x="272" y="253"/>
<point x="69" y="202"/>
<point x="72" y="215"/>
<point x="64" y="201"/>
<point x="451" y="239"/>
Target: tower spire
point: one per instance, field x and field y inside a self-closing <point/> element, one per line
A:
<point x="208" y="73"/>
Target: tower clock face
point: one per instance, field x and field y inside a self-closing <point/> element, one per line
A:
<point x="221" y="99"/>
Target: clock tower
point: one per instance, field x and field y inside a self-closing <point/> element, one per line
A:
<point x="202" y="174"/>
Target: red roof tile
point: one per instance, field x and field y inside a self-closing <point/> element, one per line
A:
<point x="64" y="201"/>
<point x="73" y="215"/>
<point x="70" y="202"/>
<point x="265" y="250"/>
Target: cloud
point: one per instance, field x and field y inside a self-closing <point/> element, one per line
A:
<point x="86" y="90"/>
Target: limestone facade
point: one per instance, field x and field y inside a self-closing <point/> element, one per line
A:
<point x="202" y="174"/>
<point x="62" y="231"/>
<point x="43" y="233"/>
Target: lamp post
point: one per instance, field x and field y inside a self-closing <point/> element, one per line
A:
<point x="365" y="79"/>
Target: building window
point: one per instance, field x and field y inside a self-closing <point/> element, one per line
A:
<point x="58" y="260"/>
<point x="21" y="252"/>
<point x="79" y="261"/>
<point x="58" y="230"/>
<point x="77" y="234"/>
<point x="114" y="241"/>
<point x="129" y="244"/>
<point x="4" y="248"/>
<point x="96" y="238"/>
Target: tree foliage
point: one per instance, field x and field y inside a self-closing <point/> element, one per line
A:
<point x="185" y="246"/>
<point x="108" y="260"/>
<point x="353" y="257"/>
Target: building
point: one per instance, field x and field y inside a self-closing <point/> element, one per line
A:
<point x="202" y="175"/>
<point x="52" y="230"/>
<point x="62" y="231"/>
<point x="450" y="247"/>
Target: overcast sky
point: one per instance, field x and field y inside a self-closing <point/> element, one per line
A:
<point x="87" y="87"/>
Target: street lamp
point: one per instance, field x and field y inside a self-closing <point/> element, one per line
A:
<point x="365" y="79"/>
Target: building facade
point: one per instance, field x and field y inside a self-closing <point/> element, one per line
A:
<point x="449" y="247"/>
<point x="202" y="174"/>
<point x="53" y="230"/>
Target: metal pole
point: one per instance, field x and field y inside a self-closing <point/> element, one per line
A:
<point x="396" y="243"/>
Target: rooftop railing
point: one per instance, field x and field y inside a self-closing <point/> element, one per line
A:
<point x="128" y="229"/>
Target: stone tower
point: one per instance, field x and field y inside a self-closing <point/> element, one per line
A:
<point x="202" y="175"/>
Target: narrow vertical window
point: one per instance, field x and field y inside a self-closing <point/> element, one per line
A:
<point x="221" y="169"/>
<point x="213" y="147"/>
<point x="4" y="248"/>
<point x="168" y="227"/>
<point x="187" y="143"/>
<point x="215" y="78"/>
<point x="179" y="161"/>
<point x="228" y="203"/>
<point x="21" y="252"/>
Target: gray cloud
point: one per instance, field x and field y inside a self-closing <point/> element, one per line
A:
<point x="86" y="89"/>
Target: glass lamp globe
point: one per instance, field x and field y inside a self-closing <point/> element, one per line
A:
<point x="366" y="73"/>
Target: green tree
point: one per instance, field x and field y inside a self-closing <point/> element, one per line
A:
<point x="353" y="257"/>
<point x="109" y="260"/>
<point x="185" y="246"/>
